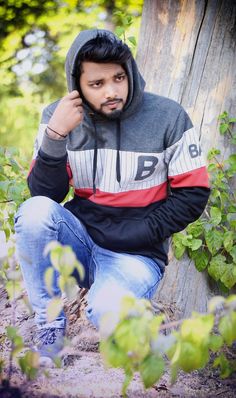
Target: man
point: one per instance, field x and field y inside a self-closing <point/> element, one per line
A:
<point x="135" y="163"/>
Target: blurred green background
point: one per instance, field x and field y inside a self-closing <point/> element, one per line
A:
<point x="35" y="36"/>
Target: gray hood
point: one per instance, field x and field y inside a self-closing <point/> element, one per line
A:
<point x="136" y="82"/>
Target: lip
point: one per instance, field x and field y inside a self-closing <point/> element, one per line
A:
<point x="112" y="104"/>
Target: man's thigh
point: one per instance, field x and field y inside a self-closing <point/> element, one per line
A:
<point x="40" y="220"/>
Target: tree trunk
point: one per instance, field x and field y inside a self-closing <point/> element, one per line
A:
<point x="187" y="51"/>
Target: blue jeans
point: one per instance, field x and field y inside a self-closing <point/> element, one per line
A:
<point x="109" y="275"/>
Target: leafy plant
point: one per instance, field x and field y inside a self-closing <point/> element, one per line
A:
<point x="63" y="261"/>
<point x="13" y="186"/>
<point x="211" y="240"/>
<point x="137" y="343"/>
<point x="124" y="21"/>
<point x="13" y="191"/>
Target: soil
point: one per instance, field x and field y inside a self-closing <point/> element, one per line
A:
<point x="83" y="374"/>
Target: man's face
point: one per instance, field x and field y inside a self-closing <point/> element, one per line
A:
<point x="105" y="86"/>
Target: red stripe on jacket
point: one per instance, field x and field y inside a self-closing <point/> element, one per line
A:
<point x="136" y="198"/>
<point x="194" y="178"/>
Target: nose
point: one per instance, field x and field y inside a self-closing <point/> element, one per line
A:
<point x="110" y="91"/>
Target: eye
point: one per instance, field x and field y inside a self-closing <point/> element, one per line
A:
<point x="96" y="84"/>
<point x="120" y="78"/>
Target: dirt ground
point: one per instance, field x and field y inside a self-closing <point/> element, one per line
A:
<point x="83" y="373"/>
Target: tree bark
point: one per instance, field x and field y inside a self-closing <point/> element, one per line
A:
<point x="187" y="52"/>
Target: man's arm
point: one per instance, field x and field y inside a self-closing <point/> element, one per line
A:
<point x="184" y="206"/>
<point x="49" y="170"/>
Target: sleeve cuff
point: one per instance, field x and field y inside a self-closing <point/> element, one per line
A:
<point x="53" y="148"/>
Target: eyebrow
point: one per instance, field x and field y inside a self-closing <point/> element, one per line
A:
<point x="100" y="80"/>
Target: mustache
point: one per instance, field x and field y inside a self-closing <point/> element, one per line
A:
<point x="115" y="100"/>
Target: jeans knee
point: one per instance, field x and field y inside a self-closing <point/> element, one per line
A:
<point x="33" y="215"/>
<point x="107" y="300"/>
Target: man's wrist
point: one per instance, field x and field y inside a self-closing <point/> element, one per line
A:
<point x="55" y="135"/>
<point x="52" y="146"/>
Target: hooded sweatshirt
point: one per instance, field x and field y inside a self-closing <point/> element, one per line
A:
<point x="137" y="178"/>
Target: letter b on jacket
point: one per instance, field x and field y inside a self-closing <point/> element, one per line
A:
<point x="146" y="167"/>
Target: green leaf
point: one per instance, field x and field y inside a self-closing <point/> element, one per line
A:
<point x="215" y="214"/>
<point x="233" y="253"/>
<point x="63" y="259"/>
<point x="201" y="260"/>
<point x="211" y="167"/>
<point x="223" y="115"/>
<point x="223" y="128"/>
<point x="48" y="278"/>
<point x="29" y="364"/>
<point x="132" y="40"/>
<point x="232" y="120"/>
<point x="227" y="328"/>
<point x="195" y="229"/>
<point x="231" y="218"/>
<point x="214" y="240"/>
<point x="229" y="276"/>
<point x="13" y="288"/>
<point x="54" y="308"/>
<point x="192" y="357"/>
<point x="213" y="153"/>
<point x="215" y="193"/>
<point x="232" y="159"/>
<point x="232" y="163"/>
<point x="178" y="246"/>
<point x="202" y="323"/>
<point x="224" y="365"/>
<point x="54" y="244"/>
<point x="228" y="241"/>
<point x="16" y="339"/>
<point x="70" y="263"/>
<point x="112" y="354"/>
<point x="132" y="337"/>
<point x="179" y="251"/>
<point x="119" y="31"/>
<point x="151" y="370"/>
<point x="11" y="332"/>
<point x="217" y="267"/>
<point x="195" y="244"/>
<point x="215" y="342"/>
<point x="69" y="286"/>
<point x="231" y="300"/>
<point x="67" y="261"/>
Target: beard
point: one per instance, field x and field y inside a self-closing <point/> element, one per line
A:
<point x="114" y="114"/>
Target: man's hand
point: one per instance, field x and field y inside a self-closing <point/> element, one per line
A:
<point x="67" y="115"/>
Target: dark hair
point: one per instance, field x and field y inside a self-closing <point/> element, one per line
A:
<point x="104" y="49"/>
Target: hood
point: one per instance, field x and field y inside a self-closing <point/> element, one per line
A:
<point x="136" y="82"/>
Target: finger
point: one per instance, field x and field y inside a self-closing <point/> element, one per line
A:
<point x="73" y="94"/>
<point x="80" y="109"/>
<point x="77" y="102"/>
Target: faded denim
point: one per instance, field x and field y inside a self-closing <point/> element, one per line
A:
<point x="108" y="275"/>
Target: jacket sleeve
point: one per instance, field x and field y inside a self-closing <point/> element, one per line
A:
<point x="184" y="206"/>
<point x="188" y="183"/>
<point x="48" y="175"/>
